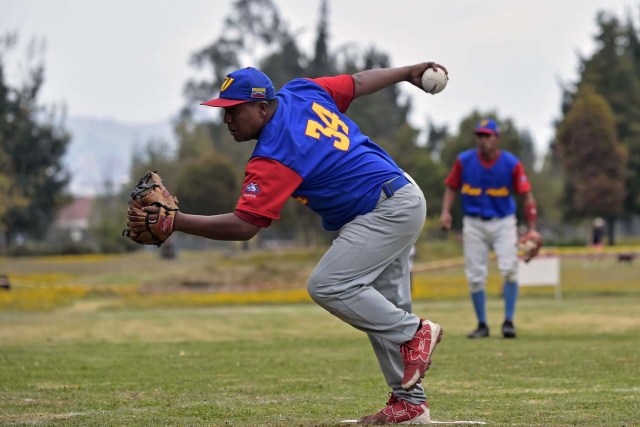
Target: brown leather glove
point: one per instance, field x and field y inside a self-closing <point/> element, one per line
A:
<point x="529" y="245"/>
<point x="151" y="212"/>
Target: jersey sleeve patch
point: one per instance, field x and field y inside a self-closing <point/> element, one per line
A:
<point x="341" y="89"/>
<point x="267" y="186"/>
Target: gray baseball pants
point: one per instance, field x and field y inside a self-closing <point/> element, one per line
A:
<point x="364" y="279"/>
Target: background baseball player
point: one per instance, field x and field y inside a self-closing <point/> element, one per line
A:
<point x="308" y="149"/>
<point x="487" y="178"/>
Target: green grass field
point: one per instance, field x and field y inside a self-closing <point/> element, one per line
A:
<point x="107" y="348"/>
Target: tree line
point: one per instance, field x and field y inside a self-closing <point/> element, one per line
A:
<point x="32" y="142"/>
<point x="591" y="168"/>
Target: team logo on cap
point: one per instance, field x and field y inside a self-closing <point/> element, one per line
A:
<point x="483" y="123"/>
<point x="226" y="83"/>
<point x="258" y="92"/>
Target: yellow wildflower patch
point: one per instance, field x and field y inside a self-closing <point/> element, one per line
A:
<point x="187" y="299"/>
<point x="40" y="298"/>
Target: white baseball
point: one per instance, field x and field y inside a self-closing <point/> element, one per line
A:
<point x="434" y="81"/>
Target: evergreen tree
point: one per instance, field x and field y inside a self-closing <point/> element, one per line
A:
<point x="33" y="141"/>
<point x="253" y="27"/>
<point x="613" y="72"/>
<point x="592" y="156"/>
<point x="155" y="155"/>
<point x="380" y="114"/>
<point x="436" y="138"/>
<point x="549" y="188"/>
<point x="208" y="186"/>
<point x="321" y="64"/>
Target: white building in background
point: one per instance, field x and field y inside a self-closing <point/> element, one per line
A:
<point x="73" y="221"/>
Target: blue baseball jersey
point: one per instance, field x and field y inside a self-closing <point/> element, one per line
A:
<point x="487" y="188"/>
<point x="341" y="170"/>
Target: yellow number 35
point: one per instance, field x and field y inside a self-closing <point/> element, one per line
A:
<point x="331" y="127"/>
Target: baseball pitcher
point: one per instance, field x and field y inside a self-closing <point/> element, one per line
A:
<point x="309" y="149"/>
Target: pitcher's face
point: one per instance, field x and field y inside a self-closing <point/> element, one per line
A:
<point x="245" y="121"/>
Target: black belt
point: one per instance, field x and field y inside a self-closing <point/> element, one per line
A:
<point x="390" y="187"/>
<point x="484" y="218"/>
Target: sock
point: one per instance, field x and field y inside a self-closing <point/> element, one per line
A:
<point x="510" y="292"/>
<point x="479" y="305"/>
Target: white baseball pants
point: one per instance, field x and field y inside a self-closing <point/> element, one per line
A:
<point x="479" y="237"/>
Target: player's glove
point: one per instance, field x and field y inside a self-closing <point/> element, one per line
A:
<point x="529" y="245"/>
<point x="154" y="225"/>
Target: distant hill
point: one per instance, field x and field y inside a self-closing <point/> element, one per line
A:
<point x="102" y="148"/>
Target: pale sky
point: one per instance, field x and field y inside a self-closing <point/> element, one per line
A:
<point x="128" y="59"/>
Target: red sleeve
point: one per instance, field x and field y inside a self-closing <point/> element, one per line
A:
<point x="267" y="186"/>
<point x="257" y="220"/>
<point x="521" y="183"/>
<point x="341" y="89"/>
<point x="454" y="179"/>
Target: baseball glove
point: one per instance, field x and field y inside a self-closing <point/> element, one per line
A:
<point x="151" y="226"/>
<point x="529" y="245"/>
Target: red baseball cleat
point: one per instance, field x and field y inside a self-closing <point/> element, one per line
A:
<point x="399" y="412"/>
<point x="416" y="354"/>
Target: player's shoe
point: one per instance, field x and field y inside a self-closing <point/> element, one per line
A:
<point x="481" y="332"/>
<point x="416" y="354"/>
<point x="399" y="412"/>
<point x="508" y="330"/>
